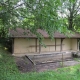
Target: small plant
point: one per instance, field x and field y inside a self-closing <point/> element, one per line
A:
<point x="74" y="54"/>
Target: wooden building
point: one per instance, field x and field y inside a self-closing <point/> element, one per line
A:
<point x="28" y="43"/>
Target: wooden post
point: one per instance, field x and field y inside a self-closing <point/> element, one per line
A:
<point x="61" y="44"/>
<point x="55" y="44"/>
<point x="12" y="45"/>
<point x="77" y="44"/>
<point x="39" y="47"/>
<point x="36" y="44"/>
<point x="61" y="51"/>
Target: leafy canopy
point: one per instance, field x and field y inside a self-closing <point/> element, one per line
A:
<point x="33" y="14"/>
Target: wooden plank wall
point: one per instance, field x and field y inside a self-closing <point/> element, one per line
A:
<point x="22" y="45"/>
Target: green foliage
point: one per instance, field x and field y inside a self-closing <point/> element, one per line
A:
<point x="77" y="23"/>
<point x="69" y="11"/>
<point x="7" y="43"/>
<point x="35" y="14"/>
<point x="8" y="16"/>
<point x="7" y="65"/>
<point x="30" y="14"/>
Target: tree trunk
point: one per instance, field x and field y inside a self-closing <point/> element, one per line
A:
<point x="70" y="23"/>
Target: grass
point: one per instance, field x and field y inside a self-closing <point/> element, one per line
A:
<point x="9" y="71"/>
<point x="77" y="59"/>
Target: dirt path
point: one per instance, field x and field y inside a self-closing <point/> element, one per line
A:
<point x="24" y="65"/>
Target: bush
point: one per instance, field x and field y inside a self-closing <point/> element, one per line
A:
<point x="6" y="43"/>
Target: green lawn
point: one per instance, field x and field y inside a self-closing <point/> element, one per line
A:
<point x="9" y="71"/>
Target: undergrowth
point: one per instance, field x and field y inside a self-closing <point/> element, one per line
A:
<point x="9" y="71"/>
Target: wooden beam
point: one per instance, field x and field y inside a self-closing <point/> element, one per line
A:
<point x="39" y="47"/>
<point x="55" y="44"/>
<point x="46" y="45"/>
<point x="12" y="45"/>
<point x="30" y="60"/>
<point x="61" y="50"/>
<point x="78" y="44"/>
<point x="61" y="43"/>
<point x="36" y="44"/>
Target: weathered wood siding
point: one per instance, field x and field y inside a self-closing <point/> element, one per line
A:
<point x="66" y="44"/>
<point x="31" y="46"/>
<point x="22" y="45"/>
<point x="50" y="45"/>
<point x="58" y="44"/>
<point x="74" y="44"/>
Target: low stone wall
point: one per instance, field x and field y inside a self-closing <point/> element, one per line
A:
<point x="53" y="57"/>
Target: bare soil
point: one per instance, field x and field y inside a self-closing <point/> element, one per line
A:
<point x="25" y="65"/>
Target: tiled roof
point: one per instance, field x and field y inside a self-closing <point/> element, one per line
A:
<point x="19" y="32"/>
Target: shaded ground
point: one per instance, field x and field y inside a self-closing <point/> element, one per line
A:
<point x="25" y="65"/>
